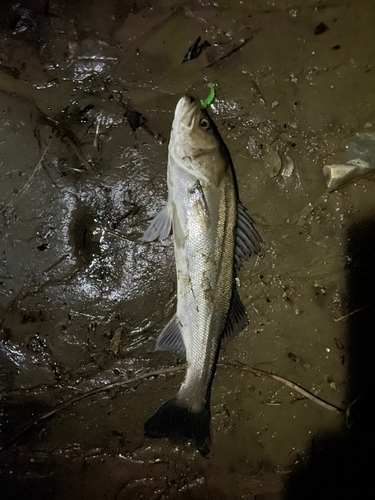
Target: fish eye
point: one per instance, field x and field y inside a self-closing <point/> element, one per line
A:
<point x="205" y="124"/>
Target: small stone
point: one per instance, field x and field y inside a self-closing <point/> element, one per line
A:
<point x="339" y="174"/>
<point x="288" y="166"/>
<point x="272" y="163"/>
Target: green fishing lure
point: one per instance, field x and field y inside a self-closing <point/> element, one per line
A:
<point x="210" y="98"/>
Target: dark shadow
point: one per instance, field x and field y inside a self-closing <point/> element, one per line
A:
<point x="340" y="464"/>
<point x="24" y="473"/>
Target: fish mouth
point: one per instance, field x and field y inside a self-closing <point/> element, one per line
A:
<point x="186" y="111"/>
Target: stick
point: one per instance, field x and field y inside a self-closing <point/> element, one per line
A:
<point x="67" y="137"/>
<point x="98" y="121"/>
<point x="346" y="316"/>
<point x="121" y="383"/>
<point x="288" y="383"/>
<point x="235" y="49"/>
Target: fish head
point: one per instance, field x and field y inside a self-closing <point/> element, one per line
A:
<point x="195" y="142"/>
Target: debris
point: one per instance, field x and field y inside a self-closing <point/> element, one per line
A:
<point x="98" y="122"/>
<point x="339" y="174"/>
<point x="287" y="166"/>
<point x="195" y="50"/>
<point x="150" y="375"/>
<point x="321" y="28"/>
<point x="272" y="163"/>
<point x="116" y="340"/>
<point x="134" y="118"/>
<point x="82" y="112"/>
<point x="259" y="92"/>
<point x="346" y="316"/>
<point x="67" y="137"/>
<point x="42" y="247"/>
<point x="358" y="160"/>
<point x="235" y="49"/>
<point x="22" y="21"/>
<point x="137" y="120"/>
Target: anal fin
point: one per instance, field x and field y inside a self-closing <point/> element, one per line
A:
<point x="236" y="320"/>
<point x="171" y="339"/>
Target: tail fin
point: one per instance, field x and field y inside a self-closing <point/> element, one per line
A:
<point x="173" y="420"/>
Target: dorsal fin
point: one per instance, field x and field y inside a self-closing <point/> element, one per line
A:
<point x="248" y="240"/>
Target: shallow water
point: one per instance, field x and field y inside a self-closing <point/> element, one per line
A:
<point x="83" y="299"/>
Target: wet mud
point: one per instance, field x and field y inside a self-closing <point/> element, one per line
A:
<point x="87" y="92"/>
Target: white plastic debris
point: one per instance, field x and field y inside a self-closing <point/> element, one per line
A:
<point x="358" y="161"/>
<point x="339" y="174"/>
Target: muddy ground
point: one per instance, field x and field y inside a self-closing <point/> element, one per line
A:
<point x="87" y="92"/>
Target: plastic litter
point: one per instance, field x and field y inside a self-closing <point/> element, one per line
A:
<point x="358" y="160"/>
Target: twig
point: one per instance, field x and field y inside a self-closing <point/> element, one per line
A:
<point x="288" y="383"/>
<point x="67" y="137"/>
<point x="121" y="383"/>
<point x="44" y="416"/>
<point x="235" y="49"/>
<point x="82" y="158"/>
<point x="259" y="92"/>
<point x="341" y="318"/>
<point x="97" y="128"/>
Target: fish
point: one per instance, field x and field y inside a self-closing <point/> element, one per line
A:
<point x="213" y="235"/>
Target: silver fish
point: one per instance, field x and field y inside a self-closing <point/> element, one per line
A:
<point x="212" y="235"/>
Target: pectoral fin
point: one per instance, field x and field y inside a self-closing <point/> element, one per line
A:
<point x="248" y="240"/>
<point x="160" y="226"/>
<point x="199" y="204"/>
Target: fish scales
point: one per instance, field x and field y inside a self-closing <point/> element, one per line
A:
<point x="204" y="268"/>
<point x="204" y="211"/>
